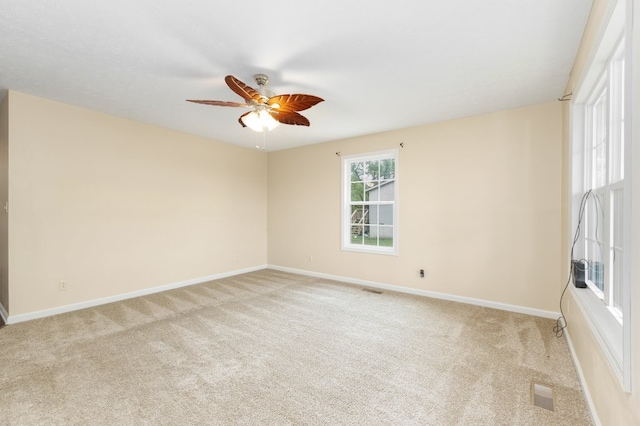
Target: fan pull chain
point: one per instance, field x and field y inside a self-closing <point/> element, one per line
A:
<point x="264" y="139"/>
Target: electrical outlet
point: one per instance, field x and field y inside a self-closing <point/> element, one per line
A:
<point x="310" y="258"/>
<point x="62" y="286"/>
<point x="421" y="273"/>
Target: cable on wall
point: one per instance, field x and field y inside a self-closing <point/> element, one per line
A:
<point x="561" y="322"/>
<point x="566" y="97"/>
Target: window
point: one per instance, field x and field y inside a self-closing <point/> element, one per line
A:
<point x="369" y="202"/>
<point x="604" y="177"/>
<point x="601" y="140"/>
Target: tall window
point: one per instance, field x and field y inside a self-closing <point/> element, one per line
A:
<point x="369" y="204"/>
<point x="604" y="177"/>
<point x="600" y="168"/>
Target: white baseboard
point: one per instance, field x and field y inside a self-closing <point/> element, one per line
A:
<point x="583" y="381"/>
<point x="13" y="319"/>
<point x="426" y="293"/>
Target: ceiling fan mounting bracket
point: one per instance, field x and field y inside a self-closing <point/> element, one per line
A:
<point x="261" y="79"/>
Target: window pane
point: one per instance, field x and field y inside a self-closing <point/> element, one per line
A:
<point x="596" y="274"/>
<point x="357" y="214"/>
<point x="617" y="279"/>
<point x="357" y="171"/>
<point x="387" y="190"/>
<point x="357" y="234"/>
<point x="617" y="156"/>
<point x="387" y="169"/>
<point x="385" y="216"/>
<point x="379" y="236"/>
<point x="616" y="159"/>
<point x="371" y="237"/>
<point x="595" y="218"/>
<point x="357" y="192"/>
<point x="595" y="269"/>
<point x="616" y="214"/>
<point x="373" y="214"/>
<point x="373" y="170"/>
<point x="600" y="166"/>
<point x="616" y="249"/>
<point x="373" y="193"/>
<point x="600" y="132"/>
<point x="385" y="235"/>
<point x="594" y="231"/>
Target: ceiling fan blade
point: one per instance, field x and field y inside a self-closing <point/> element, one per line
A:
<point x="218" y="103"/>
<point x="247" y="93"/>
<point x="297" y="102"/>
<point x="240" y="119"/>
<point x="290" y="117"/>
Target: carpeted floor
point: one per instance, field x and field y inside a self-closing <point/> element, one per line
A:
<point x="275" y="348"/>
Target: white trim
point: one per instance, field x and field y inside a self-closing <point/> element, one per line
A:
<point x="3" y="313"/>
<point x="425" y="293"/>
<point x="371" y="250"/>
<point x="13" y="319"/>
<point x="608" y="35"/>
<point x="583" y="381"/>
<point x="630" y="130"/>
<point x="604" y="327"/>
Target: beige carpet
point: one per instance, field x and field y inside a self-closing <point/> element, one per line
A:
<point x="276" y="348"/>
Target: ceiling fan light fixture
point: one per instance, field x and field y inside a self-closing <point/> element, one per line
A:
<point x="259" y="121"/>
<point x="268" y="110"/>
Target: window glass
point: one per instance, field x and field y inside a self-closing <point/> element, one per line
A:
<point x="369" y="202"/>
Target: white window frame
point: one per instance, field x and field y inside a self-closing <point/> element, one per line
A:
<point x="611" y="326"/>
<point x="347" y="245"/>
<point x="603" y="117"/>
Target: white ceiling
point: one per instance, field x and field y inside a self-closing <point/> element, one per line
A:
<point x="379" y="65"/>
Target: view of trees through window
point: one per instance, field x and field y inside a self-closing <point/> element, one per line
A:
<point x="372" y="198"/>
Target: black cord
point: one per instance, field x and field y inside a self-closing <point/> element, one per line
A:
<point x="561" y="322"/>
<point x="566" y="97"/>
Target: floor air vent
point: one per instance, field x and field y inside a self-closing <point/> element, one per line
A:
<point x="543" y="396"/>
<point x="371" y="290"/>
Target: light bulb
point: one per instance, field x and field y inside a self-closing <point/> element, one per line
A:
<point x="259" y="121"/>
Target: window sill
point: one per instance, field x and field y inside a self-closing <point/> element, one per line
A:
<point x="372" y="250"/>
<point x="617" y="314"/>
<point x="604" y="326"/>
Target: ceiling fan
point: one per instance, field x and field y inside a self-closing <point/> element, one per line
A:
<point x="267" y="109"/>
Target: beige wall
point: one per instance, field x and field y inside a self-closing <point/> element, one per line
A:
<point x="479" y="208"/>
<point x="113" y="206"/>
<point x="4" y="252"/>
<point x="613" y="406"/>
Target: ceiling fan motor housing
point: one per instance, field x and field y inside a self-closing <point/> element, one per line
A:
<point x="261" y="79"/>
